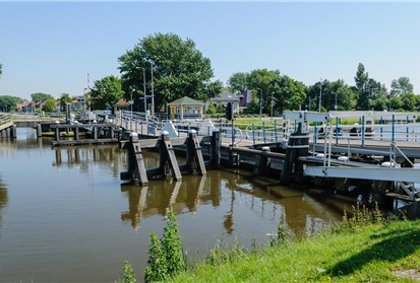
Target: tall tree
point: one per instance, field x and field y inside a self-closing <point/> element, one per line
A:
<point x="401" y="86"/>
<point x="50" y="105"/>
<point x="106" y="92"/>
<point x="288" y="94"/>
<point x="8" y="103"/>
<point x="361" y="80"/>
<point x="64" y="100"/>
<point x="40" y="96"/>
<point x="179" y="69"/>
<point x="239" y="82"/>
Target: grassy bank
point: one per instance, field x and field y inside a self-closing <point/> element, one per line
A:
<point x="387" y="252"/>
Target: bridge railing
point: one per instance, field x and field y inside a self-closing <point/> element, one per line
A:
<point x="5" y="118"/>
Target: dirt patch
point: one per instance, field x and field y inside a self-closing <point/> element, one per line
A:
<point x="408" y="273"/>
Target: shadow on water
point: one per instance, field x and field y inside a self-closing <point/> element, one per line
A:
<point x="396" y="245"/>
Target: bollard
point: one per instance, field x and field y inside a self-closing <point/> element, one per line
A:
<point x="38" y="130"/>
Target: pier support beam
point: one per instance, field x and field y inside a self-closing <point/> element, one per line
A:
<point x="136" y="168"/>
<point x="215" y="149"/>
<point x="195" y="160"/>
<point x="168" y="160"/>
<point x="262" y="163"/>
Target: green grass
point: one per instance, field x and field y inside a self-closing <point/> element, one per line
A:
<point x="369" y="253"/>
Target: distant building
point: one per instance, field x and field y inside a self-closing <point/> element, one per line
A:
<point x="244" y="99"/>
<point x="225" y="97"/>
<point x="185" y="108"/>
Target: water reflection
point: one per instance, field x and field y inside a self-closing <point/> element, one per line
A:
<point x="232" y="193"/>
<point x="161" y="196"/>
<point x="3" y="199"/>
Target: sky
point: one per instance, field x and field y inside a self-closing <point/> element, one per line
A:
<point x="50" y="47"/>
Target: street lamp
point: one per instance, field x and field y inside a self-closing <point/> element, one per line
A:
<point x="320" y="95"/>
<point x="144" y="92"/>
<point x="336" y="105"/>
<point x="152" y="65"/>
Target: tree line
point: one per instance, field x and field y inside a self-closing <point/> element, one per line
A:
<point x="171" y="67"/>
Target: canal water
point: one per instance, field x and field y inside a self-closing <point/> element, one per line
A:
<point x="65" y="216"/>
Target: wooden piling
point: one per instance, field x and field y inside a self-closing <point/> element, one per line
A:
<point x="262" y="163"/>
<point x="136" y="168"/>
<point x="215" y="149"/>
<point x="195" y="160"/>
<point x="168" y="160"/>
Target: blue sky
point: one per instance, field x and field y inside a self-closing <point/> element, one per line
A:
<point x="50" y="47"/>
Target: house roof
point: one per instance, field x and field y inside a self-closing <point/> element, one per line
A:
<point x="225" y="96"/>
<point x="186" y="101"/>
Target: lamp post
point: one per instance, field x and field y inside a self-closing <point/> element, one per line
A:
<point x="336" y="105"/>
<point x="152" y="65"/>
<point x="320" y="95"/>
<point x="144" y="92"/>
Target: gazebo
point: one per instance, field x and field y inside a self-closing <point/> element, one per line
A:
<point x="185" y="108"/>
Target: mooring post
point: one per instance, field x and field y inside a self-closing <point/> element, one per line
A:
<point x="111" y="132"/>
<point x="38" y="131"/>
<point x="13" y="132"/>
<point x="57" y="134"/>
<point x="263" y="162"/>
<point x="168" y="158"/>
<point x="215" y="149"/>
<point x="195" y="160"/>
<point x="95" y="132"/>
<point x="76" y="133"/>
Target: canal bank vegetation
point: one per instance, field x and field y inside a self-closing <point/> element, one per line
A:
<point x="361" y="248"/>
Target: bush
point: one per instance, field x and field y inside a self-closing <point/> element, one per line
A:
<point x="166" y="256"/>
<point x="127" y="274"/>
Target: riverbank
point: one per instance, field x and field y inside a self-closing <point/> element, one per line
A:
<point x="384" y="252"/>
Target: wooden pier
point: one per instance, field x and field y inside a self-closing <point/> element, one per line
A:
<point x="93" y="134"/>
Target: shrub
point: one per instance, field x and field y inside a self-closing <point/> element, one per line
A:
<point x="166" y="256"/>
<point x="127" y="274"/>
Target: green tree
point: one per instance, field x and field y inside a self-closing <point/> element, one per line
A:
<point x="239" y="82"/>
<point x="64" y="99"/>
<point x="288" y="94"/>
<point x="8" y="103"/>
<point x="211" y="109"/>
<point x="127" y="274"/>
<point x="361" y="80"/>
<point x="50" y="105"/>
<point x="401" y="86"/>
<point x="332" y="93"/>
<point x="179" y="69"/>
<point x="408" y="101"/>
<point x="1" y="70"/>
<point x="377" y="95"/>
<point x="395" y="103"/>
<point x="106" y="92"/>
<point x="40" y="97"/>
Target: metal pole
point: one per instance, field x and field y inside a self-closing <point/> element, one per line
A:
<point x="320" y="96"/>
<point x="393" y="128"/>
<point x="253" y="134"/>
<point x="145" y="93"/>
<point x="336" y="131"/>
<point x="272" y="105"/>
<point x="263" y="124"/>
<point x="131" y="108"/>
<point x="153" y="90"/>
<point x="363" y="130"/>
<point x="336" y="105"/>
<point x="260" y="102"/>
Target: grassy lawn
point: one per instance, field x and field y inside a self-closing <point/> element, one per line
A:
<point x="387" y="252"/>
